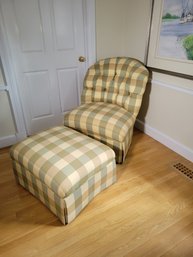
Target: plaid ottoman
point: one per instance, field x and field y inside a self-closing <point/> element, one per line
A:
<point x="64" y="169"/>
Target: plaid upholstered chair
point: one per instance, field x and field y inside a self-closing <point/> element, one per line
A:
<point x="111" y="99"/>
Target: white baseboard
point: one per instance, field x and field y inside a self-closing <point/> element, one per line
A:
<point x="165" y="140"/>
<point x="8" y="140"/>
<point x="11" y="139"/>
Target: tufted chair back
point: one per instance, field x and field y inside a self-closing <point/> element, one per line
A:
<point x="119" y="80"/>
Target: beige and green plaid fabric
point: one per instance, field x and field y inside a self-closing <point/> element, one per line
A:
<point x="64" y="169"/>
<point x="119" y="80"/>
<point x="111" y="99"/>
<point x="120" y="148"/>
<point x="102" y="119"/>
<point x="66" y="209"/>
<point x="40" y="190"/>
<point x="105" y="122"/>
<point x="76" y="201"/>
<point x="62" y="158"/>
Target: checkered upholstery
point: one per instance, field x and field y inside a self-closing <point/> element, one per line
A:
<point x="64" y="169"/>
<point x="105" y="122"/>
<point x="111" y="99"/>
<point x="88" y="119"/>
<point x="119" y="81"/>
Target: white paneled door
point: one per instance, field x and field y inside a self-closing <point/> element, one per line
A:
<point x="46" y="38"/>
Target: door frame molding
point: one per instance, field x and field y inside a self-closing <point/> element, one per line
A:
<point x="90" y="31"/>
<point x="15" y="102"/>
<point x="11" y="89"/>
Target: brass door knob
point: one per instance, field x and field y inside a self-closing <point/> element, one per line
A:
<point x="82" y="59"/>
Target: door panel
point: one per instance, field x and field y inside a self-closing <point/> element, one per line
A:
<point x="30" y="33"/>
<point x="69" y="78"/>
<point x="63" y="14"/>
<point x="46" y="37"/>
<point x="40" y="103"/>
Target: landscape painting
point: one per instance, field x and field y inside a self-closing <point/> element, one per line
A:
<point x="176" y="32"/>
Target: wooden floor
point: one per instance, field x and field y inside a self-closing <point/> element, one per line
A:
<point x="147" y="213"/>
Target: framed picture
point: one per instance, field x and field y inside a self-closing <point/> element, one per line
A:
<point x="171" y="36"/>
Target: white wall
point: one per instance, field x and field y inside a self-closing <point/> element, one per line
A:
<point x="167" y="109"/>
<point x="122" y="28"/>
<point x="167" y="113"/>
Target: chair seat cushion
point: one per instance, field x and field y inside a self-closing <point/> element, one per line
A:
<point x="101" y="120"/>
<point x="61" y="158"/>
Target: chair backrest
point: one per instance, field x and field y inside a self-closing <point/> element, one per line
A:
<point x="119" y="80"/>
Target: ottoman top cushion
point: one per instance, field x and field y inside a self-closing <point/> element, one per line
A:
<point x="62" y="158"/>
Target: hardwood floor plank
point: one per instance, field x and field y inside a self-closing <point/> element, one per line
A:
<point x="167" y="239"/>
<point x="182" y="249"/>
<point x="147" y="213"/>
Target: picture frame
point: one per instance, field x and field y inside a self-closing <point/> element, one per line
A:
<point x="171" y="34"/>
